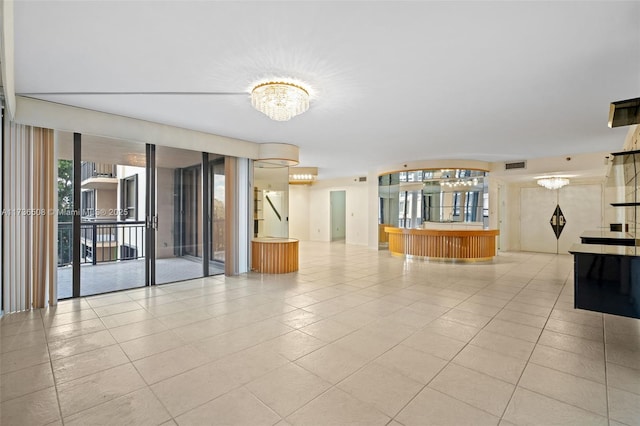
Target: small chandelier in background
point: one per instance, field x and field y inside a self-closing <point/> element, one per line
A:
<point x="553" y="182"/>
<point x="280" y="101"/>
<point x="461" y="182"/>
<point x="302" y="175"/>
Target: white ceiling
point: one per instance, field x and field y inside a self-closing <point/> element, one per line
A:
<point x="392" y="81"/>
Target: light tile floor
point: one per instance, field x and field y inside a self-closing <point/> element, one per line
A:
<point x="113" y="276"/>
<point x="355" y="337"/>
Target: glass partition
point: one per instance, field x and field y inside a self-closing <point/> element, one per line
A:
<point x="270" y="201"/>
<point x="423" y="198"/>
<point x="65" y="220"/>
<point x="216" y="212"/>
<point x="179" y="245"/>
<point x="112" y="206"/>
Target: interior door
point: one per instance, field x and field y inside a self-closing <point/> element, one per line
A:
<point x="338" y="215"/>
<point x="537" y="205"/>
<point x="582" y="208"/>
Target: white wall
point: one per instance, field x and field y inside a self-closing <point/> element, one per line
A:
<point x="373" y="209"/>
<point x="358" y="218"/>
<point x="511" y="224"/>
<point x="299" y="212"/>
<point x="498" y="210"/>
<point x="357" y="210"/>
<point x="574" y="165"/>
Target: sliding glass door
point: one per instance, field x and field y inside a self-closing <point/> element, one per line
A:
<point x="179" y="209"/>
<point x="112" y="210"/>
<point x="146" y="215"/>
<point x="65" y="218"/>
<point x="216" y="212"/>
<point x="101" y="215"/>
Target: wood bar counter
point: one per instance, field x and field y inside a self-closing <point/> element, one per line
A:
<point x="274" y="255"/>
<point x="454" y="244"/>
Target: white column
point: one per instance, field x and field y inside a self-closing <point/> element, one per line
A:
<point x="237" y="188"/>
<point x="244" y="213"/>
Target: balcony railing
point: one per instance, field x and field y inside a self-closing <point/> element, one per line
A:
<point x="93" y="170"/>
<point x="102" y="241"/>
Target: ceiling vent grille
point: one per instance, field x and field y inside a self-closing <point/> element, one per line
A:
<point x="515" y="165"/>
<point x="362" y="179"/>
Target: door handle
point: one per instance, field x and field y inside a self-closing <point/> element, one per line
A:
<point x="151" y="222"/>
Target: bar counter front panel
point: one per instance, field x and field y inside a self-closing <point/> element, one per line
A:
<point x="274" y="255"/>
<point x="607" y="279"/>
<point x="459" y="244"/>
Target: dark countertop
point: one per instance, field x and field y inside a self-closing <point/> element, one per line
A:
<point x="607" y="234"/>
<point x="605" y="249"/>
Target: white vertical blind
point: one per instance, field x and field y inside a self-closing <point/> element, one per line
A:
<point x="27" y="265"/>
<point x="1" y="198"/>
<point x="16" y="173"/>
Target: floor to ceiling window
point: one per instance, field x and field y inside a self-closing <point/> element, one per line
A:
<point x="142" y="215"/>
<point x="112" y="227"/>
<point x="217" y="238"/>
<point x="179" y="201"/>
<point x="65" y="225"/>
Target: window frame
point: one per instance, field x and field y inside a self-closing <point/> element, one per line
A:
<point x="125" y="209"/>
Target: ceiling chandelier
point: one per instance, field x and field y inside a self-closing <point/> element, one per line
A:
<point x="302" y="175"/>
<point x="461" y="182"/>
<point x="553" y="182"/>
<point x="280" y="101"/>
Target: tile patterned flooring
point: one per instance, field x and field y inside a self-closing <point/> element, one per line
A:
<point x="114" y="276"/>
<point x="355" y="337"/>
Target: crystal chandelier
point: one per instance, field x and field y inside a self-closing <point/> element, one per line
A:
<point x="280" y="101"/>
<point x="553" y="182"/>
<point x="461" y="182"/>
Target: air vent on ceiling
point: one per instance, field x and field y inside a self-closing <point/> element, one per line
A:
<point x="362" y="179"/>
<point x="515" y="165"/>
